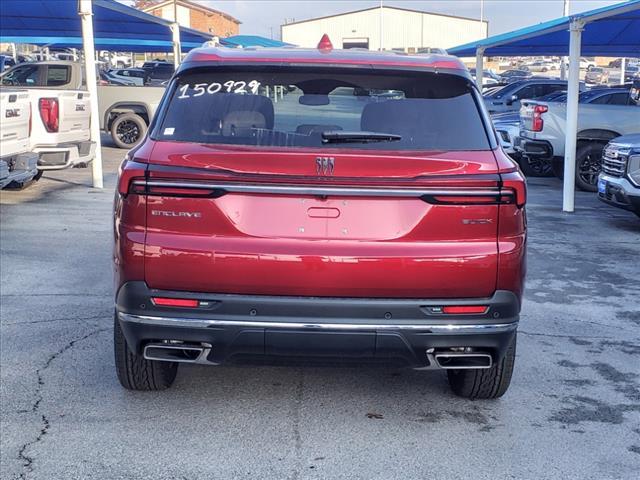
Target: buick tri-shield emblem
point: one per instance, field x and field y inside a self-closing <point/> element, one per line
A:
<point x="324" y="165"/>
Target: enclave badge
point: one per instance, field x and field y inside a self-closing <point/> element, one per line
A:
<point x="324" y="165"/>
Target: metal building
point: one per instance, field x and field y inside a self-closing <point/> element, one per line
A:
<point x="399" y="29"/>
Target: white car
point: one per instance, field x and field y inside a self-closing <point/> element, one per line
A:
<point x="135" y="75"/>
<point x="586" y="64"/>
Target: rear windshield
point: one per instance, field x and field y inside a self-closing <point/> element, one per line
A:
<point x="312" y="108"/>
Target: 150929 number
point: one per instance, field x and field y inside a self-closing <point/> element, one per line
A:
<point x="230" y="86"/>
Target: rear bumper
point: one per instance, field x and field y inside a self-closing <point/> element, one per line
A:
<point x="533" y="148"/>
<point x="269" y="329"/>
<point x="65" y="155"/>
<point x="23" y="169"/>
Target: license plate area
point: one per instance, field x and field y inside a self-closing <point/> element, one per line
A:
<point x="320" y="344"/>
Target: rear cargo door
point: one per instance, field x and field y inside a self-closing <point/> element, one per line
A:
<point x="237" y="234"/>
<point x="385" y="189"/>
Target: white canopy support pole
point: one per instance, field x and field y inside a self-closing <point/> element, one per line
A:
<point x="623" y="65"/>
<point x="14" y="51"/>
<point x="571" y="130"/>
<point x="479" y="67"/>
<point x="175" y="30"/>
<point x="88" y="45"/>
<point x="564" y="60"/>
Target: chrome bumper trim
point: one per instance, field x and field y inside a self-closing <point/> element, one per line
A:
<point x="436" y="329"/>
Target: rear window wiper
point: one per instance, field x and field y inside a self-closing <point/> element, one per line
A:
<point x="340" y="136"/>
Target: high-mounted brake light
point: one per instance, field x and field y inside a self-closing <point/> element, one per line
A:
<point x="538" y="122"/>
<point x="49" y="113"/>
<point x="325" y="45"/>
<point x="175" y="302"/>
<point x="465" y="309"/>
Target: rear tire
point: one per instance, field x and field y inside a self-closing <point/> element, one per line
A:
<point x="485" y="383"/>
<point x="137" y="373"/>
<point x="128" y="130"/>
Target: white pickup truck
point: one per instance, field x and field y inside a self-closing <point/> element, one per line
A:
<point x="18" y="166"/>
<point x="60" y="109"/>
<point x="542" y="134"/>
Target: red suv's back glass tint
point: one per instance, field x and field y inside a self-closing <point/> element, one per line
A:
<point x="303" y="107"/>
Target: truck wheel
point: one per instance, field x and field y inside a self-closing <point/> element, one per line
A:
<point x="37" y="176"/>
<point x="535" y="167"/>
<point x="137" y="373"/>
<point x="128" y="130"/>
<point x="485" y="383"/>
<point x="588" y="166"/>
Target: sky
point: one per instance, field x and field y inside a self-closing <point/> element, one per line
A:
<point x="264" y="17"/>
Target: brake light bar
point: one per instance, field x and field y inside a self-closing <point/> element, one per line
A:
<point x="175" y="302"/>
<point x="465" y="309"/>
<point x="444" y="196"/>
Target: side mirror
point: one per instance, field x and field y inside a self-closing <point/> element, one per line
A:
<point x="512" y="99"/>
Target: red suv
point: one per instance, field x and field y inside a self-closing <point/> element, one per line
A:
<point x="319" y="205"/>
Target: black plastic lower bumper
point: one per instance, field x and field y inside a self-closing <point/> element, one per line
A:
<point x="267" y="329"/>
<point x="533" y="148"/>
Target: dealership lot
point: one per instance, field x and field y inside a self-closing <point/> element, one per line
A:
<point x="573" y="410"/>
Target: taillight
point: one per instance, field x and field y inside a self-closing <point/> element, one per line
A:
<point x="49" y="113"/>
<point x="538" y="122"/>
<point x="515" y="183"/>
<point x="130" y="170"/>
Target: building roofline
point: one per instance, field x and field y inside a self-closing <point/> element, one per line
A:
<point x="189" y="4"/>
<point x="385" y="6"/>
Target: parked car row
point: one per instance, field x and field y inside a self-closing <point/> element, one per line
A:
<point x="608" y="152"/>
<point x="46" y="114"/>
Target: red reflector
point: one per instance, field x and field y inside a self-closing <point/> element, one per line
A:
<point x="175" y="302"/>
<point x="465" y="309"/>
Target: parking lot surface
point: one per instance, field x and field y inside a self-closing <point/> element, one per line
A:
<point x="573" y="409"/>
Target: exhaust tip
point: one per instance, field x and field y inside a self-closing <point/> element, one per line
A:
<point x="461" y="361"/>
<point x="176" y="352"/>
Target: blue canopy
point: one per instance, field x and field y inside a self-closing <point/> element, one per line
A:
<point x="251" y="41"/>
<point x="116" y="26"/>
<point x="612" y="31"/>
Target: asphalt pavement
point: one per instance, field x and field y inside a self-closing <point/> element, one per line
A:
<point x="572" y="412"/>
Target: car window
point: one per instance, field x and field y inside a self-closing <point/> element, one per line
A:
<point x="285" y="108"/>
<point x="57" y="75"/>
<point x="550" y="88"/>
<point x="619" y="98"/>
<point x="163" y="72"/>
<point x="526" y="92"/>
<point x="23" y="76"/>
